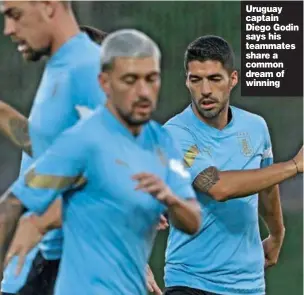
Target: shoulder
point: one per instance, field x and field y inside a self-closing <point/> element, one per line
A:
<point x="87" y="68"/>
<point x="162" y="131"/>
<point x="179" y="120"/>
<point x="247" y="117"/>
<point x="165" y="139"/>
<point x="181" y="125"/>
<point x="85" y="60"/>
<point x="157" y="134"/>
<point x="86" y="126"/>
<point x="87" y="51"/>
<point x="84" y="80"/>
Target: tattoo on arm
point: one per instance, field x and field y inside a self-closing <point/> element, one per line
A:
<point x="10" y="212"/>
<point x="20" y="133"/>
<point x="206" y="179"/>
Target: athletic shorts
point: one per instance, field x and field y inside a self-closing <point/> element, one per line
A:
<point x="179" y="290"/>
<point x="42" y="277"/>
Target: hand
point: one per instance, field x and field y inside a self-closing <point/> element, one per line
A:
<point x="298" y="159"/>
<point x="151" y="184"/>
<point x="272" y="247"/>
<point x="27" y="236"/>
<point x="163" y="224"/>
<point x="151" y="283"/>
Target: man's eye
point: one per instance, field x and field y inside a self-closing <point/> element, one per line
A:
<point x="216" y="79"/>
<point x="130" y="80"/>
<point x="195" y="80"/>
<point x="153" y="79"/>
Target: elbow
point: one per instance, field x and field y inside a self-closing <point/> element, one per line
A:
<point x="194" y="228"/>
<point x="221" y="194"/>
<point x="194" y="225"/>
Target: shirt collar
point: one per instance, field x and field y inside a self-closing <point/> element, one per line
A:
<point x="116" y="125"/>
<point x="212" y="130"/>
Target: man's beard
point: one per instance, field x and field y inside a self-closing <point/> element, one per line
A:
<point x="36" y="55"/>
<point x="211" y="113"/>
<point x="130" y="119"/>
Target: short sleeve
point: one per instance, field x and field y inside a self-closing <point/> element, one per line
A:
<point x="58" y="170"/>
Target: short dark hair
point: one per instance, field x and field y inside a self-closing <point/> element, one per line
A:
<point x="210" y="48"/>
<point x="95" y="35"/>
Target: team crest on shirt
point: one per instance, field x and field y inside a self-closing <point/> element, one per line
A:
<point x="245" y="144"/>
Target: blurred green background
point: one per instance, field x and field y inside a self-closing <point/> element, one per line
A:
<point x="173" y="25"/>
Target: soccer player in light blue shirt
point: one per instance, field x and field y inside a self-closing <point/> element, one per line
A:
<point x="128" y="171"/>
<point x="69" y="81"/>
<point x="224" y="147"/>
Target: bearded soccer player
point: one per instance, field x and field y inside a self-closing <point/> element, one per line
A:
<point x="49" y="28"/>
<point x="16" y="273"/>
<point x="224" y="147"/>
<point x="131" y="173"/>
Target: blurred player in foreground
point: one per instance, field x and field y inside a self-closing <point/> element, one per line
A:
<point x="43" y="273"/>
<point x="226" y="257"/>
<point x="15" y="275"/>
<point x="47" y="29"/>
<point x="115" y="166"/>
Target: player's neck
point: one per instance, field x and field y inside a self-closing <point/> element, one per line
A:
<point x="134" y="130"/>
<point x="218" y="122"/>
<point x="66" y="27"/>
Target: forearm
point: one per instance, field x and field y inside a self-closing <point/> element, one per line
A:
<point x="224" y="185"/>
<point x="14" y="126"/>
<point x="270" y="211"/>
<point x="10" y="212"/>
<point x="185" y="215"/>
<point x="51" y="219"/>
